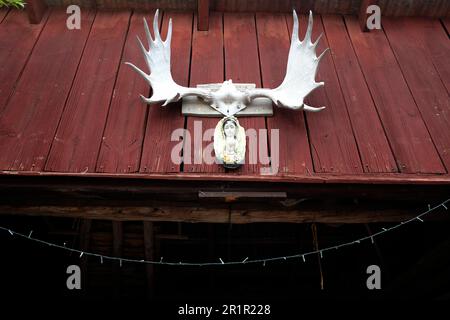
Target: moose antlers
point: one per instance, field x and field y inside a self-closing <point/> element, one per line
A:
<point x="299" y="80"/>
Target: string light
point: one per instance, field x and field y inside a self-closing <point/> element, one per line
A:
<point x="246" y="260"/>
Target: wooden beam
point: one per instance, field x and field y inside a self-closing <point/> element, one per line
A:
<point x="203" y="15"/>
<point x="149" y="244"/>
<point x="329" y="214"/>
<point x="362" y="17"/>
<point x="117" y="230"/>
<point x="35" y="10"/>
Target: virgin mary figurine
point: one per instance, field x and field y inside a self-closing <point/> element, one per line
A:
<point x="229" y="142"/>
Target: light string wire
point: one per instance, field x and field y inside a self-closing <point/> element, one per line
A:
<point x="302" y="256"/>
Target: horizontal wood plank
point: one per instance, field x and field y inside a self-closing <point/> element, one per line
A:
<point x="218" y="215"/>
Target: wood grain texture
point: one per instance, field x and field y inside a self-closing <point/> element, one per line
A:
<point x="373" y="146"/>
<point x="29" y="121"/>
<point x="431" y="96"/>
<point x="122" y="140"/>
<point x="293" y="150"/>
<point x="409" y="138"/>
<point x="436" y="41"/>
<point x="163" y="121"/>
<point x="360" y="214"/>
<point x="207" y="66"/>
<point x="79" y="135"/>
<point x="18" y="38"/>
<point x="242" y="65"/>
<point x="331" y="136"/>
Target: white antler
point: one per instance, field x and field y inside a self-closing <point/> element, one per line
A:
<point x="158" y="61"/>
<point x="300" y="72"/>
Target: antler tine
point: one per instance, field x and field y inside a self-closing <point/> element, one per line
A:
<point x="155" y="26"/>
<point x="295" y="28"/>
<point x="312" y="109"/>
<point x="322" y="54"/>
<point x="147" y="32"/>
<point x="142" y="73"/>
<point x="169" y="32"/>
<point x="309" y="30"/>
<point x="317" y="41"/>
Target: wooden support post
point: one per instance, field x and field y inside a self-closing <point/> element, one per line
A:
<point x="35" y="10"/>
<point x="203" y="15"/>
<point x="85" y="237"/>
<point x="363" y="14"/>
<point x="117" y="251"/>
<point x="149" y="241"/>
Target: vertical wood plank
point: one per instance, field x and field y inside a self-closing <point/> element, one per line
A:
<point x="242" y="65"/>
<point x="162" y="121"/>
<point x="149" y="244"/>
<point x="437" y="43"/>
<point x="17" y="38"/>
<point x="405" y="37"/>
<point x="122" y="140"/>
<point x="331" y="135"/>
<point x="203" y="15"/>
<point x="85" y="240"/>
<point x="117" y="230"/>
<point x="78" y="138"/>
<point x="373" y="145"/>
<point x="273" y="40"/>
<point x="207" y="66"/>
<point x="28" y="123"/>
<point x="406" y="131"/>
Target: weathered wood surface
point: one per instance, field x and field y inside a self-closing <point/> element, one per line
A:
<point x="79" y="135"/>
<point x="163" y="121"/>
<point x="71" y="107"/>
<point x="122" y="140"/>
<point x="207" y="66"/>
<point x="374" y="149"/>
<point x="29" y="121"/>
<point x="433" y="8"/>
<point x="406" y="130"/>
<point x="333" y="145"/>
<point x="410" y="40"/>
<point x="294" y="150"/>
<point x="17" y="41"/>
<point x="218" y="215"/>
